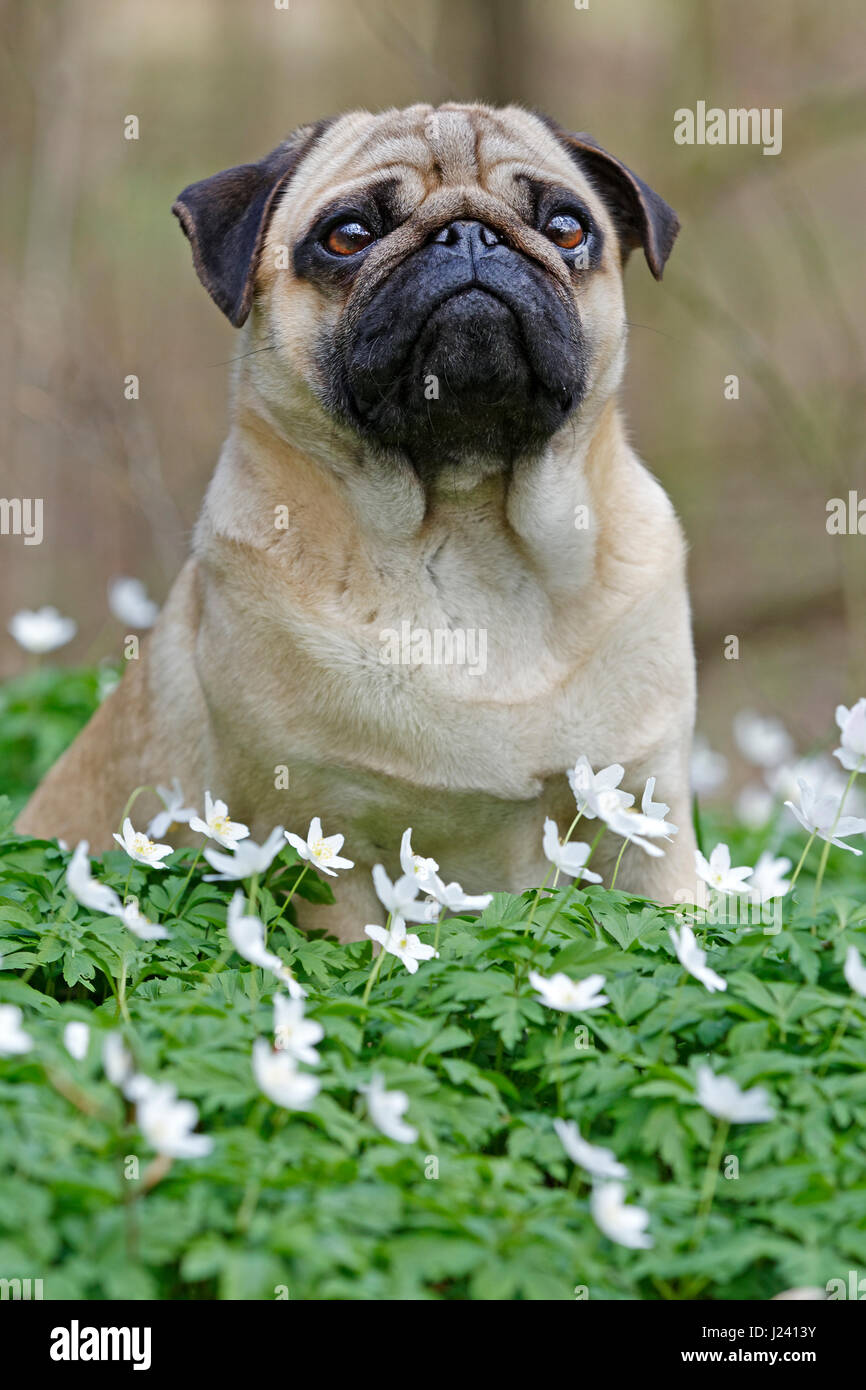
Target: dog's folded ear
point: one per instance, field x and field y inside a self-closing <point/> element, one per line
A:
<point x="642" y="218"/>
<point x="226" y="217"/>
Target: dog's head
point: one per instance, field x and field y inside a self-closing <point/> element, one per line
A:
<point x="446" y="281"/>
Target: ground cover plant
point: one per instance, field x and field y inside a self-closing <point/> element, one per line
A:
<point x="576" y="1093"/>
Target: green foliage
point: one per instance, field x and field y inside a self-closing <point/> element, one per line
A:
<point x="40" y="714"/>
<point x="485" y="1205"/>
<point x="322" y="1204"/>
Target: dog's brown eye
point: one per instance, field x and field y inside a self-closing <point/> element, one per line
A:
<point x="564" y="230"/>
<point x="348" y="238"/>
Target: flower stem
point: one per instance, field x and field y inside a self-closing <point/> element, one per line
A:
<point x="825" y="853"/>
<point x="570" y="829"/>
<point x="372" y="978"/>
<point x="282" y="912"/>
<point x="374" y="973"/>
<point x="538" y="893"/>
<point x="796" y="874"/>
<point x="711" y="1177"/>
<point x="837" y="1036"/>
<point x="560" y="1032"/>
<point x="185" y="884"/>
<point x="131" y="802"/>
<point x="540" y="939"/>
<point x="121" y="991"/>
<point x="592" y="847"/>
<point x="438" y="929"/>
<point x="617" y="864"/>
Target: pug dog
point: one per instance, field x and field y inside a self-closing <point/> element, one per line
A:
<point x="430" y="571"/>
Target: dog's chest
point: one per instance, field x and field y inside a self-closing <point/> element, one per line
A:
<point x="455" y="695"/>
<point x="492" y="704"/>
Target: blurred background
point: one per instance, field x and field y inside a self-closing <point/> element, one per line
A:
<point x="766" y="283"/>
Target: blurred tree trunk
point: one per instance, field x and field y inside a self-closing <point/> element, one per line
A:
<point x="483" y="48"/>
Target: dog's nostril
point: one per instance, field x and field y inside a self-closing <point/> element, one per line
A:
<point x="447" y="236"/>
<point x="465" y="234"/>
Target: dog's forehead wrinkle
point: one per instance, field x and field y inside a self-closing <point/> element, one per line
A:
<point x="399" y="148"/>
<point x="452" y="137"/>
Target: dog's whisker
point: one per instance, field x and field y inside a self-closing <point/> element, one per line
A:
<point x="650" y="329"/>
<point x="270" y="348"/>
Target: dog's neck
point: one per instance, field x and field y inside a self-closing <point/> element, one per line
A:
<point x="332" y="497"/>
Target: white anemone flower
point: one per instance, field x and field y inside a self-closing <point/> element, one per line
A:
<point x="621" y="1223"/>
<point x="386" y="1110"/>
<point x="569" y="996"/>
<point x="247" y="935"/>
<point x="76" y="1039"/>
<point x="216" y="824"/>
<point x="138" y="1086"/>
<point x="567" y="858"/>
<point x="13" y="1039"/>
<point x="86" y="889"/>
<point x="754" y="806"/>
<point x="819" y="815"/>
<point x="821" y="772"/>
<point x="295" y="990"/>
<point x="295" y="1034"/>
<point x="452" y="897"/>
<point x="129" y="602"/>
<point x="762" y="739"/>
<point x="601" y="1163"/>
<point x="248" y="860"/>
<point x="175" y="812"/>
<point x="709" y="770"/>
<point x="321" y="850"/>
<point x="768" y="879"/>
<point x="116" y="1061"/>
<point x="168" y="1123"/>
<point x="42" y="630"/>
<point x="141" y="848"/>
<point x="425" y="870"/>
<point x="632" y="825"/>
<point x="401" y="897"/>
<point x="722" y="1097"/>
<point x="855" y="971"/>
<point x="278" y="1077"/>
<point x="134" y="919"/>
<point x="718" y="873"/>
<point x="657" y="810"/>
<point x="406" y="946"/>
<point x="588" y="786"/>
<point x="852" y="726"/>
<point x="693" y="959"/>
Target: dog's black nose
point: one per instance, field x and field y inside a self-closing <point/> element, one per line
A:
<point x="467" y="238"/>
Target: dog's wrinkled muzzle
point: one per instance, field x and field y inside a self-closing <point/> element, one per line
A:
<point x="467" y="347"/>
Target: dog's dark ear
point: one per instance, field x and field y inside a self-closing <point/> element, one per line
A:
<point x="642" y="218"/>
<point x="226" y="216"/>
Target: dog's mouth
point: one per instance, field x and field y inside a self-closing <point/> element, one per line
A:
<point x="464" y="356"/>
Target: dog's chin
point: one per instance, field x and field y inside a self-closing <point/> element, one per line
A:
<point x="468" y="401"/>
<point x="466" y="382"/>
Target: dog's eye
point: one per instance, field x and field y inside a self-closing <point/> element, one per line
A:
<point x="564" y="230"/>
<point x="348" y="237"/>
